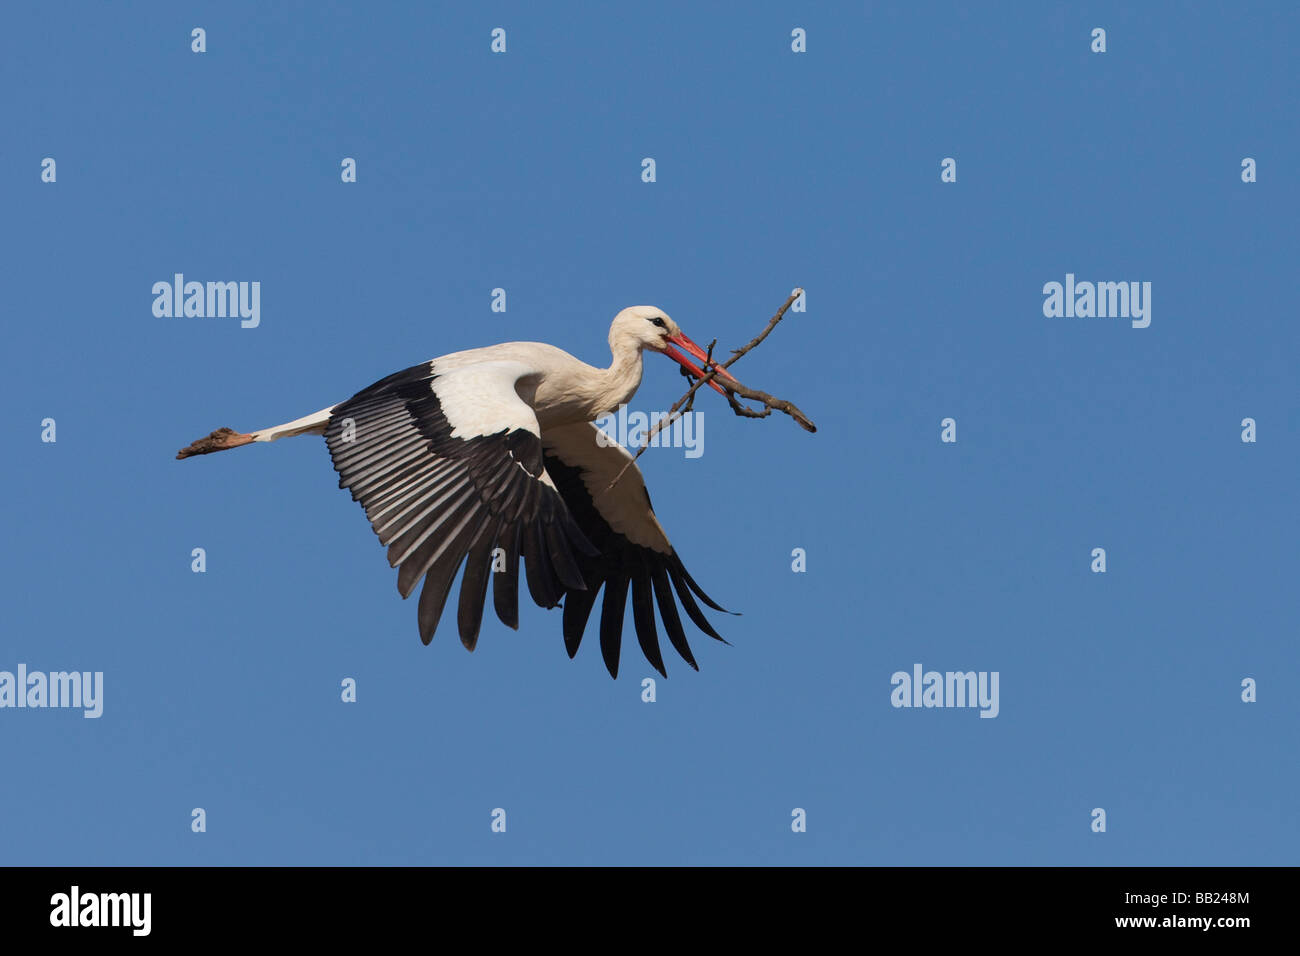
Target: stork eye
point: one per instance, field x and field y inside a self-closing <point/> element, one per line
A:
<point x="658" y="322"/>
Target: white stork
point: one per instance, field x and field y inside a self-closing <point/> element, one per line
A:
<point x="483" y="456"/>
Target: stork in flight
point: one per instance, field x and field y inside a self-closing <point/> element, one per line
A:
<point x="485" y="456"/>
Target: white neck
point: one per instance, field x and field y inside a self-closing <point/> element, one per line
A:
<point x="618" y="383"/>
<point x="581" y="393"/>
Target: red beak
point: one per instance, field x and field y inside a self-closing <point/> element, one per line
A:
<point x="681" y="341"/>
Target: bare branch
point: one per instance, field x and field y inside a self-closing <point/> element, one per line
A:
<point x="733" y="388"/>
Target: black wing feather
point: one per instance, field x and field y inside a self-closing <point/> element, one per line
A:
<point x="643" y="617"/>
<point x="672" y="620"/>
<point x="437" y="501"/>
<point x="505" y="582"/>
<point x="473" y="584"/>
<point x="653" y="575"/>
<point x="611" y="621"/>
<point x="577" y="610"/>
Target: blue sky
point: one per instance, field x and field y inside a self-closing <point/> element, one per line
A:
<point x="774" y="169"/>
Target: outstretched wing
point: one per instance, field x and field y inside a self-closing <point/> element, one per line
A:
<point x="448" y="465"/>
<point x="633" y="549"/>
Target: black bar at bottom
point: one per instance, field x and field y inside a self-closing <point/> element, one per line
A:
<point x="336" y="904"/>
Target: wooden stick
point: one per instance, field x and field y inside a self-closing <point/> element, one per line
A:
<point x="733" y="388"/>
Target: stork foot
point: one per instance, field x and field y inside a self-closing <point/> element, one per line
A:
<point x="219" y="440"/>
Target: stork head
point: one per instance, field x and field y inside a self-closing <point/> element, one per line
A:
<point x="647" y="327"/>
<point x="642" y="327"/>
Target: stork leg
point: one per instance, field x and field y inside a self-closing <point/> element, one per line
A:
<point x="224" y="438"/>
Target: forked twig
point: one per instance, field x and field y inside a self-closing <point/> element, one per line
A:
<point x="733" y="388"/>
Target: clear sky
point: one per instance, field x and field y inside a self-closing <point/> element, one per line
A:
<point x="774" y="169"/>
